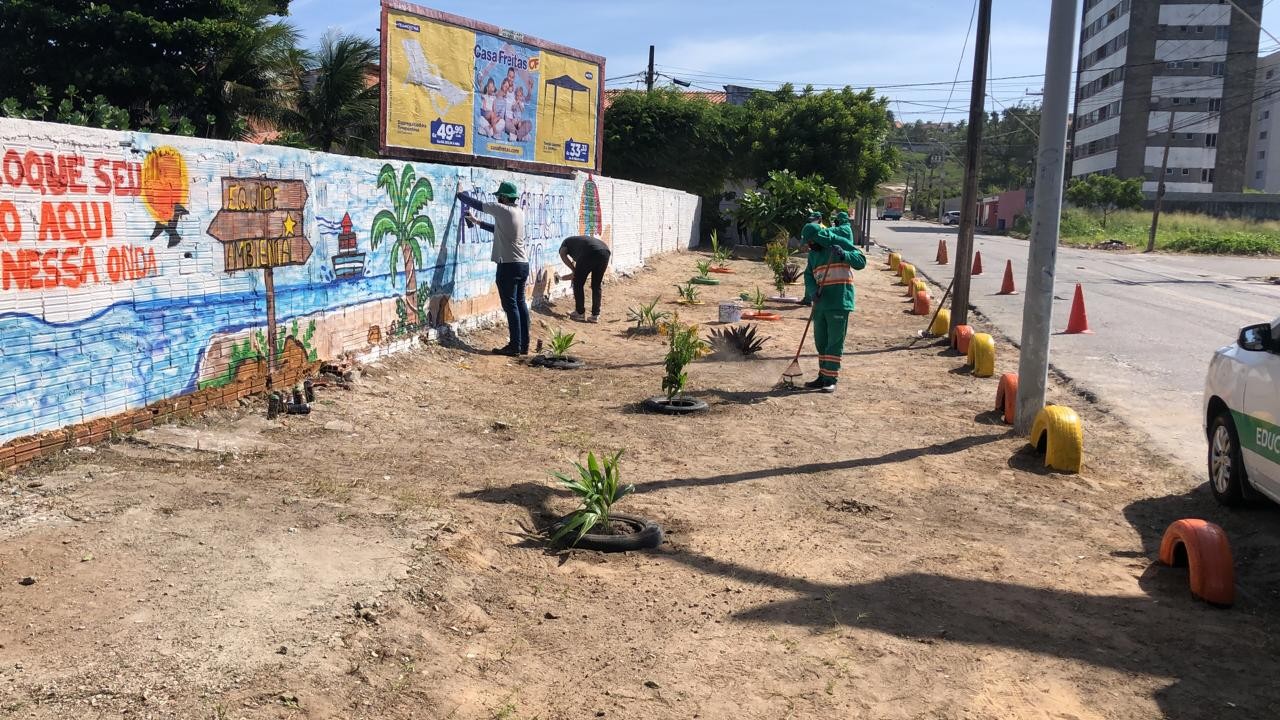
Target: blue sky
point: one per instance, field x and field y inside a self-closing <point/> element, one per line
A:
<point x="749" y="41"/>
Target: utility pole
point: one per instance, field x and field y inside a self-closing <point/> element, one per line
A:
<point x="649" y="76"/>
<point x="1037" y="308"/>
<point x="969" y="203"/>
<point x="1164" y="170"/>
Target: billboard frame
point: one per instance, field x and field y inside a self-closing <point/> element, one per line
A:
<point x="397" y="151"/>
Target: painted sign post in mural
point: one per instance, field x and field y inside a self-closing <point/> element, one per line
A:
<point x="260" y="228"/>
<point x="453" y="86"/>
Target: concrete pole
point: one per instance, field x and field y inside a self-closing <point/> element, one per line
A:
<point x="969" y="203"/>
<point x="1164" y="170"/>
<point x="649" y="74"/>
<point x="1037" y="308"/>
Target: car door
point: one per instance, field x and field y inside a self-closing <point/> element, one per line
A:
<point x="1259" y="428"/>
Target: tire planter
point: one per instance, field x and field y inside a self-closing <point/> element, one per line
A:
<point x="786" y="299"/>
<point x="761" y="315"/>
<point x="647" y="536"/>
<point x="961" y="338"/>
<point x="704" y="281"/>
<point x="568" y="362"/>
<point x="686" y="302"/>
<point x="675" y="406"/>
<point x="722" y="270"/>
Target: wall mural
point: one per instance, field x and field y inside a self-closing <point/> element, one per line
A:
<point x="137" y="267"/>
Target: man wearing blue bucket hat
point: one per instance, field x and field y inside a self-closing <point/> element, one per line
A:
<point x="509" y="252"/>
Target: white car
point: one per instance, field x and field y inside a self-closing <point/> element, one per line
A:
<point x="951" y="218"/>
<point x="1242" y="416"/>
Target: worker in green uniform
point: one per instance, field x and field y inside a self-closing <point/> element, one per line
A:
<point x="832" y="267"/>
<point x="810" y="285"/>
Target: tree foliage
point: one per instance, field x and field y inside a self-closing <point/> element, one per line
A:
<point x="335" y="107"/>
<point x="783" y="203"/>
<point x="1106" y="194"/>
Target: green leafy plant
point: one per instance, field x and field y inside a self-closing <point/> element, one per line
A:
<point x="757" y="300"/>
<point x="782" y="205"/>
<point x="597" y="485"/>
<point x="719" y="254"/>
<point x="684" y="345"/>
<point x="561" y="343"/>
<point x="688" y="292"/>
<point x="777" y="254"/>
<point x="1106" y="194"/>
<point x="739" y="340"/>
<point x="704" y="268"/>
<point x="647" y="317"/>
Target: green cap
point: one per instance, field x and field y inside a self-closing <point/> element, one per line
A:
<point x="810" y="232"/>
<point x="814" y="215"/>
<point x="507" y="190"/>
<point x="842" y="217"/>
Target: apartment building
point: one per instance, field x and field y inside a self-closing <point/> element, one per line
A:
<point x="1262" y="164"/>
<point x="1146" y="63"/>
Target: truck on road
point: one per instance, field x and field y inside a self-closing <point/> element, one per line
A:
<point x="890" y="207"/>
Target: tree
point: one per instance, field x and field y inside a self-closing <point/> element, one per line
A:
<point x="336" y="106"/>
<point x="784" y="202"/>
<point x="192" y="56"/>
<point x="1106" y="194"/>
<point x="1009" y="145"/>
<point x="671" y="139"/>
<point x="409" y="195"/>
<point x="251" y="82"/>
<point x="840" y="135"/>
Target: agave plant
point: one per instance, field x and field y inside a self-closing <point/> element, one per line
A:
<point x="647" y="317"/>
<point x="791" y="273"/>
<point x="739" y="340"/>
<point x="684" y="345"/>
<point x="688" y="292"/>
<point x="597" y="485"/>
<point x="561" y="343"/>
<point x="704" y="268"/>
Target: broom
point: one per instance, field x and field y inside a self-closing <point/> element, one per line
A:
<point x="925" y="332"/>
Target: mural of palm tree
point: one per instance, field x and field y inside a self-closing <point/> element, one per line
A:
<point x="409" y="195"/>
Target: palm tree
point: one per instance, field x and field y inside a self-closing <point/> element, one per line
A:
<point x="250" y="83"/>
<point x="409" y="195"/>
<point x="336" y="104"/>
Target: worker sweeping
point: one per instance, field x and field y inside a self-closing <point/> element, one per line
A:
<point x="810" y="285"/>
<point x="832" y="265"/>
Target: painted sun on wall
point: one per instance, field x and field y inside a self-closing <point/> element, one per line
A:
<point x="137" y="268"/>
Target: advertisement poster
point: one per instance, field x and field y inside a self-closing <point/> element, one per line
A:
<point x="454" y="86"/>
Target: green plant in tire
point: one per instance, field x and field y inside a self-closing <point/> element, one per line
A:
<point x="598" y="486"/>
<point x="704" y="269"/>
<point x="561" y="343"/>
<point x="718" y="254"/>
<point x="683" y="346"/>
<point x="758" y="300"/>
<point x="688" y="292"/>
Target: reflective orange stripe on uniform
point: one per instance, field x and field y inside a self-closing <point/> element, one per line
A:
<point x="829" y="358"/>
<point x="834" y="274"/>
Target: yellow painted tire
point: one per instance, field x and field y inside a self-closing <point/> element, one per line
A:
<point x="941" y="323"/>
<point x="1060" y="433"/>
<point x="919" y="286"/>
<point x="894" y="261"/>
<point x="982" y="355"/>
<point x="908" y="273"/>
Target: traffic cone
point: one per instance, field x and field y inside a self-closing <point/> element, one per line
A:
<point x="977" y="263"/>
<point x="942" y="252"/>
<point x="1007" y="287"/>
<point x="1078" y="324"/>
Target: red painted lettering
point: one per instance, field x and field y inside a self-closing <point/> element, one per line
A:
<point x="30" y="262"/>
<point x="13" y="168"/>
<point x="72" y="273"/>
<point x="72" y="169"/>
<point x="49" y="227"/>
<point x="104" y="178"/>
<point x="49" y="264"/>
<point x="91" y="229"/>
<point x="33" y="168"/>
<point x="107" y="220"/>
<point x="89" y="265"/>
<point x="72" y="229"/>
<point x="10" y="222"/>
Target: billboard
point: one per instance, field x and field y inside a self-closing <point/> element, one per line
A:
<point x="455" y="89"/>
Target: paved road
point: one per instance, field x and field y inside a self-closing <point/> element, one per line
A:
<point x="1157" y="318"/>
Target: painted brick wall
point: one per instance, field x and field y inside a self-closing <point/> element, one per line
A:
<point x="133" y="281"/>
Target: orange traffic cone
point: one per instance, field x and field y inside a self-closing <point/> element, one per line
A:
<point x="1078" y="324"/>
<point x="1007" y="287"/>
<point x="942" y="252"/>
<point x="977" y="263"/>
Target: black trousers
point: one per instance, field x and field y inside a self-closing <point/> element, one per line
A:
<point x="592" y="266"/>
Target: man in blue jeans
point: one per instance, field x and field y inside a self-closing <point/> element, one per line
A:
<point x="509" y="252"/>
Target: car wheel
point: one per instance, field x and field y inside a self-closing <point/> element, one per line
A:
<point x="1226" y="464"/>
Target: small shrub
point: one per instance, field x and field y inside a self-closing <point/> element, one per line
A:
<point x="683" y="347"/>
<point x="598" y="487"/>
<point x="647" y="317"/>
<point x="758" y="300"/>
<point x="704" y="268"/>
<point x="688" y="292"/>
<point x="561" y="343"/>
<point x="719" y="254"/>
<point x="739" y="340"/>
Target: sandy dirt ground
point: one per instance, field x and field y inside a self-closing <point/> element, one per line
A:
<point x="889" y="551"/>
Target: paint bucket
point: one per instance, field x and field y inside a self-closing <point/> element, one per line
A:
<point x="730" y="312"/>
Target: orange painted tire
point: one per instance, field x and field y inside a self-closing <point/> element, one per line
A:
<point x="1208" y="558"/>
<point x="1007" y="397"/>
<point x="722" y="270"/>
<point x="961" y="338"/>
<point x="922" y="303"/>
<point x="762" y="315"/>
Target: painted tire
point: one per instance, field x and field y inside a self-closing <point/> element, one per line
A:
<point x="1007" y="397"/>
<point x="895" y="259"/>
<point x="722" y="271"/>
<point x="568" y="362"/>
<point x="908" y="274"/>
<point x="762" y="315"/>
<point x="941" y="323"/>
<point x="918" y="285"/>
<point x="921" y="306"/>
<point x="647" y="535"/>
<point x="961" y="338"/>
<point x="982" y="355"/>
<point x="1060" y="433"/>
<point x="678" y="406"/>
<point x="704" y="281"/>
<point x="1207" y="554"/>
